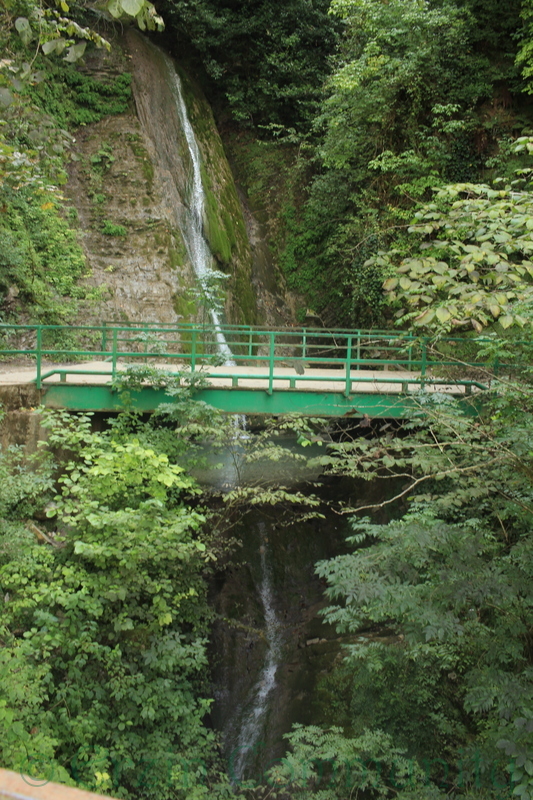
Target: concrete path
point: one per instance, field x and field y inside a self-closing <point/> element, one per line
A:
<point x="286" y="378"/>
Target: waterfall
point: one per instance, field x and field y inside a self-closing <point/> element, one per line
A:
<point x="193" y="231"/>
<point x="257" y="701"/>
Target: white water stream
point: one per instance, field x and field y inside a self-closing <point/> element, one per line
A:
<point x="256" y="705"/>
<point x="193" y="231"/>
<point x="200" y="255"/>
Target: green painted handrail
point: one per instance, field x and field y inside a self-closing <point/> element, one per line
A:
<point x="190" y="346"/>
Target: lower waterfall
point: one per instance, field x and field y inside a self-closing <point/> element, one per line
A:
<point x="256" y="706"/>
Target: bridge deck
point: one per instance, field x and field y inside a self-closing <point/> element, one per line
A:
<point x="95" y="373"/>
<point x="307" y="371"/>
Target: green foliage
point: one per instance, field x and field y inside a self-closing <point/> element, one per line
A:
<point x="26" y="739"/>
<point x="113" y="229"/>
<point x="414" y="700"/>
<point x="454" y="590"/>
<point x="400" y="60"/>
<point x="329" y="766"/>
<point x="525" y="51"/>
<point x="472" y="266"/>
<point x="74" y="98"/>
<point x="40" y="255"/>
<point x="444" y="593"/>
<point x="105" y="624"/>
<point x="33" y="148"/>
<point x="327" y="252"/>
<point x="198" y="424"/>
<point x="41" y="260"/>
<point x="47" y="30"/>
<point x="208" y="294"/>
<point x="112" y="621"/>
<point x="402" y="115"/>
<point x="142" y="11"/>
<point x="269" y="60"/>
<point x="26" y="483"/>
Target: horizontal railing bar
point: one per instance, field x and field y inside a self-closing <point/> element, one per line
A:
<point x="412" y="364"/>
<point x="53" y="372"/>
<point x="299" y="378"/>
<point x="287" y="361"/>
<point x="261" y="360"/>
<point x="377" y="335"/>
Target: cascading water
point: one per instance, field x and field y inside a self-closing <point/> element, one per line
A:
<point x="271" y="679"/>
<point x="193" y="231"/>
<point x="268" y="680"/>
<point x="257" y="702"/>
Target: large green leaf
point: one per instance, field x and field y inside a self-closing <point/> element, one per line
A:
<point x="132" y="7"/>
<point x="24" y="29"/>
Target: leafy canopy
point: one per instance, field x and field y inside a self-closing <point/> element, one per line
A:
<point x="472" y="264"/>
<point x="268" y="59"/>
<point x="108" y="619"/>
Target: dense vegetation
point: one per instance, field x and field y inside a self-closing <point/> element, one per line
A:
<point x="418" y="95"/>
<point x="422" y="94"/>
<point x="43" y="99"/>
<point x="439" y="703"/>
<point x="269" y="60"/>
<point x="104" y="625"/>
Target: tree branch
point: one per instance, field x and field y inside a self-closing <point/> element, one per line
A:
<point x="417" y="482"/>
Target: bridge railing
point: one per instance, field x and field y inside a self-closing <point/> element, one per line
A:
<point x="188" y="346"/>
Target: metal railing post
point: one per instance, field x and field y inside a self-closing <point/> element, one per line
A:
<point x="358" y="350"/>
<point x="114" y="355"/>
<point x="104" y="338"/>
<point x="193" y="349"/>
<point x="348" y="384"/>
<point x="304" y="344"/>
<point x="423" y="364"/>
<point x="271" y="363"/>
<point x="146" y="331"/>
<point x="39" y="355"/>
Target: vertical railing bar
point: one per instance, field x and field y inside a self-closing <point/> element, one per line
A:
<point x="348" y="385"/>
<point x="104" y="337"/>
<point x="114" y="355"/>
<point x="193" y="349"/>
<point x="271" y="364"/>
<point x="358" y="350"/>
<point x="38" y="355"/>
<point x="424" y="362"/>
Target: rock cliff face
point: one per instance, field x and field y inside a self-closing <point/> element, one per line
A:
<point x="130" y="185"/>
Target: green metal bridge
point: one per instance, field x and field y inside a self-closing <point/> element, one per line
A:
<point x="308" y="371"/>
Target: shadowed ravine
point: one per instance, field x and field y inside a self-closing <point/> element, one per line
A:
<point x="271" y="646"/>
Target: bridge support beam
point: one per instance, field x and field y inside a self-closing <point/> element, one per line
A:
<point x="238" y="401"/>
